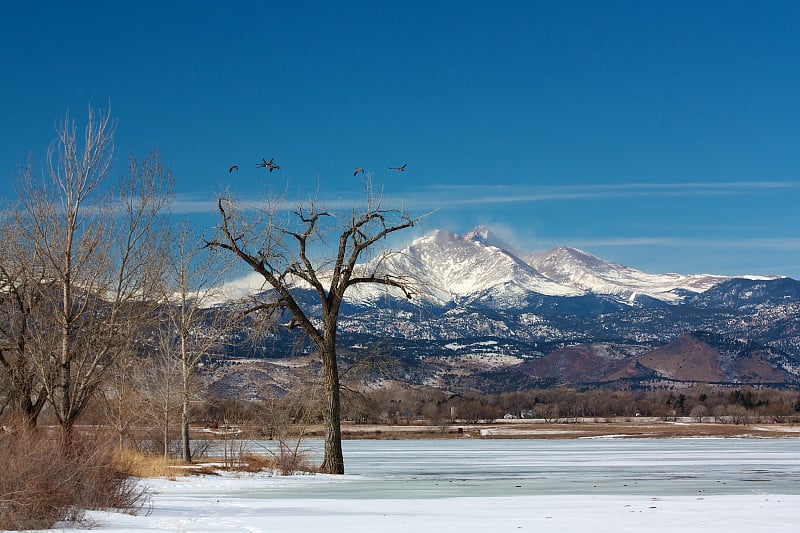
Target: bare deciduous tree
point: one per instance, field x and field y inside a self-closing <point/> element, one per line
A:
<point x="161" y="380"/>
<point x="281" y="248"/>
<point x="22" y="390"/>
<point x="189" y="330"/>
<point x="94" y="247"/>
<point x="123" y="402"/>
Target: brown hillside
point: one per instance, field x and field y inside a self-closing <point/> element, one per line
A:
<point x="753" y="368"/>
<point x="574" y="365"/>
<point x="686" y="359"/>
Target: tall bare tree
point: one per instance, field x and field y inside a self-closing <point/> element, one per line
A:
<point x="161" y="381"/>
<point x="285" y="248"/>
<point x="189" y="330"/>
<point x="95" y="247"/>
<point x="123" y="399"/>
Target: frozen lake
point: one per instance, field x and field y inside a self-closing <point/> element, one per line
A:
<point x="449" y="468"/>
<point x="600" y="484"/>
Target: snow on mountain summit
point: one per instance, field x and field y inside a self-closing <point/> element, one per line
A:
<point x="479" y="233"/>
<point x="581" y="270"/>
<point x="486" y="237"/>
<point x="466" y="266"/>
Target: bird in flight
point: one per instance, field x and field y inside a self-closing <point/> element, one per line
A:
<point x="232" y="168"/>
<point x="401" y="168"/>
<point x="357" y="170"/>
<point x="268" y="164"/>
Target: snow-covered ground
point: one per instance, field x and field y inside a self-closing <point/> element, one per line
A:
<point x="730" y="485"/>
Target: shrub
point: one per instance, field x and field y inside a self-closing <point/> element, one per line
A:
<point x="41" y="486"/>
<point x="291" y="459"/>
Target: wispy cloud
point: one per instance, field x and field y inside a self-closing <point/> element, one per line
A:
<point x="765" y="243"/>
<point x="448" y="196"/>
<point x="464" y="195"/>
<point x="185" y="204"/>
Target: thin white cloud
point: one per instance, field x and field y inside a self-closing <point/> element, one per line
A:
<point x="446" y="196"/>
<point x="186" y="204"/>
<point x="462" y="195"/>
<point x="765" y="243"/>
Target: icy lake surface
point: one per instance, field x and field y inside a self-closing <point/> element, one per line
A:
<point x="414" y="486"/>
<point x="451" y="468"/>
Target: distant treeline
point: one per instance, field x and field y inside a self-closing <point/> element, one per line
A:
<point x="406" y="405"/>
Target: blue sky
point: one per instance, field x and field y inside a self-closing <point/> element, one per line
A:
<point x="664" y="136"/>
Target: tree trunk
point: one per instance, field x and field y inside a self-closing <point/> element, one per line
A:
<point x="24" y="407"/>
<point x="62" y="401"/>
<point x="333" y="461"/>
<point x="186" y="451"/>
<point x="64" y="414"/>
<point x="29" y="414"/>
<point x="66" y="443"/>
<point x="120" y="423"/>
<point x="166" y="427"/>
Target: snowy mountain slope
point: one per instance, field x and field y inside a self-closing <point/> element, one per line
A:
<point x="750" y="294"/>
<point x="462" y="269"/>
<point x="578" y="269"/>
<point x="478" y="267"/>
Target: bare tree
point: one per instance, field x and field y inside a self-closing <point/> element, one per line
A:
<point x="161" y="379"/>
<point x="95" y="248"/>
<point x="281" y="248"/>
<point x="123" y="401"/>
<point x="19" y="312"/>
<point x="189" y="329"/>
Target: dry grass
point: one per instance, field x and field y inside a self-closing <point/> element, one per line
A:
<point x="137" y="464"/>
<point x="256" y="463"/>
<point x="142" y="465"/>
<point x="286" y="461"/>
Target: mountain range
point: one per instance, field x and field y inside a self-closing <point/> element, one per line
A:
<point x="477" y="268"/>
<point x="487" y="317"/>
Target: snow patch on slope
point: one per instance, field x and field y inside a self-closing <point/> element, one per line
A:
<point x="584" y="271"/>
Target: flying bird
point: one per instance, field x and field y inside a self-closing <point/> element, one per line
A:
<point x="232" y="168"/>
<point x="268" y="164"/>
<point x="401" y="168"/>
<point x="357" y="170"/>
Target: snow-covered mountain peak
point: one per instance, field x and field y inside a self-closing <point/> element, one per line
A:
<point x="563" y="263"/>
<point x="474" y="267"/>
<point x="486" y="237"/>
<point x="478" y="233"/>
